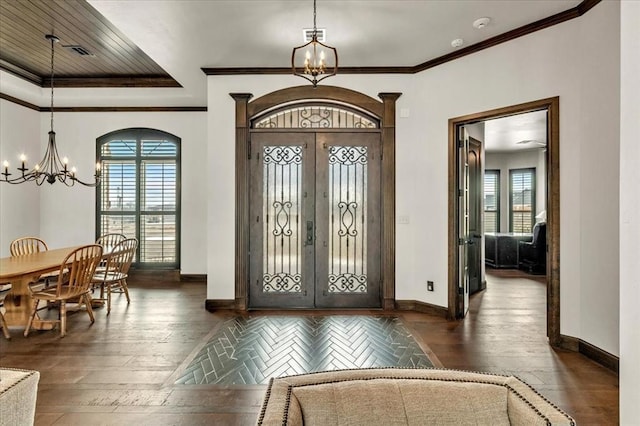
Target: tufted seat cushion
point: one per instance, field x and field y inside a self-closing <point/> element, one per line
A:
<point x="405" y="397"/>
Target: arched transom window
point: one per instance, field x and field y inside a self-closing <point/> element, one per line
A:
<point x="315" y="116"/>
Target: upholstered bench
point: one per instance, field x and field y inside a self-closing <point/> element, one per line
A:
<point x="18" y="390"/>
<point x="392" y="397"/>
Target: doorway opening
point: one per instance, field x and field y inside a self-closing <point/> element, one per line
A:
<point x="496" y="207"/>
<point x="315" y="196"/>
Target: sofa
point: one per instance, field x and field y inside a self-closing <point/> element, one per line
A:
<point x="390" y="397"/>
<point x="18" y="390"/>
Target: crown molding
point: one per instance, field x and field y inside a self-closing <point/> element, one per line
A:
<point x="90" y="82"/>
<point x="541" y="24"/>
<point x="101" y="109"/>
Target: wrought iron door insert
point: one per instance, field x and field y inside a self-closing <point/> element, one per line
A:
<point x="315" y="225"/>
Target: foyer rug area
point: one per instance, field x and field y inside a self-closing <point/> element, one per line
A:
<point x="252" y="350"/>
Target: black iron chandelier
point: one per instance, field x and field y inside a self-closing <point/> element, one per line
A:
<point x="314" y="61"/>
<point x="51" y="168"/>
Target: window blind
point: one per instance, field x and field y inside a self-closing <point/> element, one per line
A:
<point x="139" y="193"/>
<point x="492" y="201"/>
<point x="522" y="200"/>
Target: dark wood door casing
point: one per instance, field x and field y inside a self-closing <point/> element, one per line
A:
<point x="552" y="106"/>
<point x="384" y="111"/>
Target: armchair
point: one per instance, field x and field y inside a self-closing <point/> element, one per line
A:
<point x="532" y="256"/>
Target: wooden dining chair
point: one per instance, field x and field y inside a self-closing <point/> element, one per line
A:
<point x="5" y="327"/>
<point x="80" y="265"/>
<point x="29" y="245"/>
<point x="110" y="240"/>
<point x="113" y="278"/>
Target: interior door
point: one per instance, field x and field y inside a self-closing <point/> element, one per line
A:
<point x="474" y="246"/>
<point x="463" y="222"/>
<point x="315" y="220"/>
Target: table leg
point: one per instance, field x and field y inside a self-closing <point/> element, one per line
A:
<point x="18" y="304"/>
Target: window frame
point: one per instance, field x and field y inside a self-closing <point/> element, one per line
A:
<point x="497" y="191"/>
<point x="532" y="171"/>
<point x="139" y="134"/>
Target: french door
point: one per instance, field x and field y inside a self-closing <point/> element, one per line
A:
<point x="314" y="214"/>
<point x="464" y="234"/>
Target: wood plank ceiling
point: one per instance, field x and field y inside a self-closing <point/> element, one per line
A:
<point x="114" y="61"/>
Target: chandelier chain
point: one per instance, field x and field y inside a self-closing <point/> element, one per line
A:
<point x="53" y="40"/>
<point x="315" y="30"/>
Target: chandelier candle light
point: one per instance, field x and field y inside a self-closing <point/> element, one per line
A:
<point x="51" y="168"/>
<point x="314" y="61"/>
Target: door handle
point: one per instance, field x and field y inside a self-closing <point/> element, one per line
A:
<point x="309" y="239"/>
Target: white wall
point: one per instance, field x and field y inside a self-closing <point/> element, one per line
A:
<point x="19" y="204"/>
<point x="629" y="217"/>
<point x="558" y="61"/>
<point x="67" y="215"/>
<point x="505" y="161"/>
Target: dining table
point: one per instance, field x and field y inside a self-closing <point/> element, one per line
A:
<point x="22" y="270"/>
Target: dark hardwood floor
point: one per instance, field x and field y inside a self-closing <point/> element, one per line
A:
<point x="121" y="370"/>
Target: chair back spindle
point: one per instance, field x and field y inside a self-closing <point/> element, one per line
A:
<point x="27" y="245"/>
<point x="110" y="240"/>
<point x="80" y="266"/>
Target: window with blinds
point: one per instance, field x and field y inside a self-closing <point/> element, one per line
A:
<point x="522" y="196"/>
<point x="492" y="201"/>
<point x="139" y="193"/>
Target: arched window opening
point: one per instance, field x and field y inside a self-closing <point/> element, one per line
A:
<point x="139" y="195"/>
<point x="317" y="115"/>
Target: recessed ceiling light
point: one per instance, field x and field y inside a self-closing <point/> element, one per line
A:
<point x="457" y="43"/>
<point x="480" y="23"/>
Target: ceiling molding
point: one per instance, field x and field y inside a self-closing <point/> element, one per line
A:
<point x="101" y="109"/>
<point x="19" y="72"/>
<point x="125" y="109"/>
<point x="90" y="82"/>
<point x="524" y="30"/>
<point x="19" y="102"/>
<point x="541" y="24"/>
<point x="112" y="81"/>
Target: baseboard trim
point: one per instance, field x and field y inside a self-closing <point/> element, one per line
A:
<point x="600" y="356"/>
<point x="569" y="343"/>
<point x="594" y="353"/>
<point x="213" y="305"/>
<point x="165" y="274"/>
<point x="193" y="277"/>
<point x="422" y="307"/>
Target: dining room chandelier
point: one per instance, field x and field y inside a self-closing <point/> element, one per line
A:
<point x="51" y="168"/>
<point x="314" y="61"/>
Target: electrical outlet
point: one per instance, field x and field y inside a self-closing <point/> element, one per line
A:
<point x="429" y="285"/>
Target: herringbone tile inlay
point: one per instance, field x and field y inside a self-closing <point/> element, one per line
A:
<point x="252" y="350"/>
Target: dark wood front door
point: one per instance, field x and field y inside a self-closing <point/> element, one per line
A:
<point x="314" y="220"/>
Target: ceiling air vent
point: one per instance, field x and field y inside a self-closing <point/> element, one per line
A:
<point x="79" y="50"/>
<point x="307" y="33"/>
